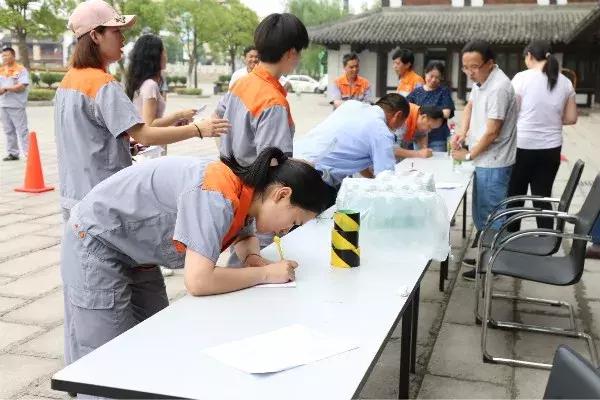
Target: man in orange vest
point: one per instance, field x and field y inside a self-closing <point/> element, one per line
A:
<point x="404" y="60"/>
<point x="14" y="80"/>
<point x="350" y="86"/>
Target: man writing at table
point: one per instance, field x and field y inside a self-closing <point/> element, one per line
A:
<point x="489" y="126"/>
<point x="358" y="137"/>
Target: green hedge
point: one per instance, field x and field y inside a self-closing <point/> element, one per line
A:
<point x="189" y="91"/>
<point x="41" y="95"/>
<point x="50" y="78"/>
<point x="175" y="80"/>
<point x="35" y="78"/>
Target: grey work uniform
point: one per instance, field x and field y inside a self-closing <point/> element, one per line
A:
<point x="91" y="115"/>
<point x="146" y="214"/>
<point x="12" y="109"/>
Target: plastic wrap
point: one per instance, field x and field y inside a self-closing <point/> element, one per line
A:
<point x="399" y="210"/>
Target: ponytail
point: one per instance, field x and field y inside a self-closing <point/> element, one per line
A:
<point x="551" y="69"/>
<point x="272" y="167"/>
<point x="540" y="50"/>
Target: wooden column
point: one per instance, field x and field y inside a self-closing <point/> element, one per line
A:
<point x="381" y="84"/>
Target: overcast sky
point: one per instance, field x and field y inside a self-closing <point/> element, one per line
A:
<point x="266" y="7"/>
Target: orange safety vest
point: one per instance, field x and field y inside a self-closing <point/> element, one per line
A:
<point x="409" y="82"/>
<point x="352" y="91"/>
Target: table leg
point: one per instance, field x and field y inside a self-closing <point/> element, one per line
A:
<point x="464" y="216"/>
<point x="443" y="273"/>
<point x="415" y="326"/>
<point x="405" y="351"/>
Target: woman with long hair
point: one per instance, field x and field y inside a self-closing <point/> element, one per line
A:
<point x="547" y="102"/>
<point x="147" y="61"/>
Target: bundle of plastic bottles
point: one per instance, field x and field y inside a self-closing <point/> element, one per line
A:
<point x="400" y="210"/>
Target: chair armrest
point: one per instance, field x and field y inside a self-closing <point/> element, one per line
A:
<point x="513" y="199"/>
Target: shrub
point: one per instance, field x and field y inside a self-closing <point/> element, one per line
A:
<point x="224" y="78"/>
<point x="189" y="91"/>
<point x="35" y="78"/>
<point x="41" y="95"/>
<point x="50" y="78"/>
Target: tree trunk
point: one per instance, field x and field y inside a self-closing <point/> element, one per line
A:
<point x="195" y="56"/>
<point x="21" y="35"/>
<point x="232" y="56"/>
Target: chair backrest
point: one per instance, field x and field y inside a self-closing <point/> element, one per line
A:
<point x="572" y="377"/>
<point x="570" y="187"/>
<point x="566" y="198"/>
<point x="586" y="217"/>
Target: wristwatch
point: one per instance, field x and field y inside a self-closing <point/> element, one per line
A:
<point x="468" y="157"/>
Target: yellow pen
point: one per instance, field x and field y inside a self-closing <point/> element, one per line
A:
<point x="277" y="241"/>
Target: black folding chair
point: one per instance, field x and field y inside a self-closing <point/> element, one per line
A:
<point x="572" y="377"/>
<point x="541" y="245"/>
<point x="552" y="270"/>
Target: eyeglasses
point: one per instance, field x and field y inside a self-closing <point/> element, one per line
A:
<point x="473" y="68"/>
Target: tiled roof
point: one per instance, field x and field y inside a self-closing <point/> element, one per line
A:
<point x="506" y="24"/>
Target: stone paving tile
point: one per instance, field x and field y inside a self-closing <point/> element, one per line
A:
<point x="530" y="383"/>
<point x="44" y="390"/>
<point x="18" y="229"/>
<point x="8" y="219"/>
<point x="8" y="303"/>
<point x="540" y="347"/>
<point x="49" y="344"/>
<point x="440" y="387"/>
<point x="462" y="303"/>
<point x="47" y="310"/>
<point x="34" y="284"/>
<point x="30" y="262"/>
<point x="18" y="371"/>
<point x="25" y="244"/>
<point x="539" y="290"/>
<point x="383" y="381"/>
<point x="54" y="219"/>
<point x="11" y="333"/>
<point x="457" y="354"/>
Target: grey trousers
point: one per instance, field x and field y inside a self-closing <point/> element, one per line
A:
<point x="14" y="124"/>
<point x="104" y="295"/>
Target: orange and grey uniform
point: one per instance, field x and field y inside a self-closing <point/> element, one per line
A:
<point x="407" y="134"/>
<point x="91" y="117"/>
<point x="259" y="115"/>
<point x="147" y="214"/>
<point x="12" y="109"/>
<point x="343" y="89"/>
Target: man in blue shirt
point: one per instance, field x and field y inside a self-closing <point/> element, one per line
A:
<point x="355" y="137"/>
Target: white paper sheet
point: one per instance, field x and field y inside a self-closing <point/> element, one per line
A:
<point x="277" y="285"/>
<point x="279" y="350"/>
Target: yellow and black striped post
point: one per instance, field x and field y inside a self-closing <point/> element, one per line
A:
<point x="345" y="252"/>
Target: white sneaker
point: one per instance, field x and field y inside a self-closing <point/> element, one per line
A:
<point x="166" y="271"/>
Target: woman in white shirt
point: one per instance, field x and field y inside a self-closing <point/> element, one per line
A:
<point x="547" y="102"/>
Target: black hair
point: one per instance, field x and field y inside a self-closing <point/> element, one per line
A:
<point x="394" y="102"/>
<point x="248" y="49"/>
<point x="349" y="57"/>
<point x="9" y="49"/>
<point x="309" y="192"/>
<point x="439" y="66"/>
<point x="482" y="47"/>
<point x="278" y="33"/>
<point x="541" y="50"/>
<point x="144" y="62"/>
<point x="405" y="55"/>
<point x="432" y="112"/>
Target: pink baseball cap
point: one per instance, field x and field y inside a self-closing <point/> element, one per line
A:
<point x="94" y="13"/>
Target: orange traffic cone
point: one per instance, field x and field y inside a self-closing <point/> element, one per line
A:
<point x="34" y="177"/>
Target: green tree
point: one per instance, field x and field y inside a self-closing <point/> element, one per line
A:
<point x="312" y="13"/>
<point x="236" y="29"/>
<point x="174" y="48"/>
<point x="43" y="18"/>
<point x="195" y="22"/>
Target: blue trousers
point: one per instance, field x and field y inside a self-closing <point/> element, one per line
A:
<point x="490" y="187"/>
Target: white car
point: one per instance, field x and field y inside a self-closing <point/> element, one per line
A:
<point x="323" y="83"/>
<point x="303" y="83"/>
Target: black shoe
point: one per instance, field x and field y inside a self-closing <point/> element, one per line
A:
<point x="476" y="240"/>
<point x="10" y="157"/>
<point x="469" y="262"/>
<point x="72" y="394"/>
<point x="469" y="275"/>
<point x="593" y="252"/>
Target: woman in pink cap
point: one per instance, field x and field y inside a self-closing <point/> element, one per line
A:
<point x="93" y="121"/>
<point x="93" y="116"/>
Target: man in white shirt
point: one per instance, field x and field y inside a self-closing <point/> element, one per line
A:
<point x="489" y="126"/>
<point x="250" y="59"/>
